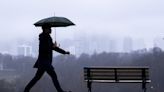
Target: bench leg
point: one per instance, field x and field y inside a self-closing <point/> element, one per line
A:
<point x="144" y="90"/>
<point x="89" y="85"/>
<point x="144" y="87"/>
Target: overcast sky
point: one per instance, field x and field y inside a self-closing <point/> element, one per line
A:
<point x="133" y="18"/>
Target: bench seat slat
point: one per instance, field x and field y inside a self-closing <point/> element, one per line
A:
<point x="118" y="74"/>
<point x="113" y="78"/>
<point x="120" y="81"/>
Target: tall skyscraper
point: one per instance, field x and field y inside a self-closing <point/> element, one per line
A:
<point x="139" y="44"/>
<point x="24" y="50"/>
<point x="112" y="46"/>
<point x="159" y="42"/>
<point x="127" y="44"/>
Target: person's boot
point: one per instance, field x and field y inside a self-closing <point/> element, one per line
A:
<point x="26" y="91"/>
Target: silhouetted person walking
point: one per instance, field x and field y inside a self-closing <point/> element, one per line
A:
<point x="44" y="62"/>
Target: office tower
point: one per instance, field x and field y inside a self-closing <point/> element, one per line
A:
<point x="159" y="42"/>
<point x="127" y="44"/>
<point x="24" y="50"/>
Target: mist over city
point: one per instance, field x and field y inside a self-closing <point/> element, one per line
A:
<point x="85" y="43"/>
<point x="106" y="33"/>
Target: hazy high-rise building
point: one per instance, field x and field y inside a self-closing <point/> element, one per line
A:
<point x="127" y="44"/>
<point x="112" y="46"/>
<point x="80" y="47"/>
<point x="159" y="42"/>
<point x="24" y="50"/>
<point x="82" y="43"/>
<point x="139" y="44"/>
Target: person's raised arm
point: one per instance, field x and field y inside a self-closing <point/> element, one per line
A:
<point x="56" y="48"/>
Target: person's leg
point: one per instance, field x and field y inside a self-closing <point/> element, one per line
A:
<point x="37" y="76"/>
<point x="53" y="75"/>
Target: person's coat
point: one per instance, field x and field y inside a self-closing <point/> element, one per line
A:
<point x="46" y="48"/>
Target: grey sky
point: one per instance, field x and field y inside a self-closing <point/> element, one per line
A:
<point x="135" y="18"/>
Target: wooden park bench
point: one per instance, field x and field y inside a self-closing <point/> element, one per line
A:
<point x="123" y="74"/>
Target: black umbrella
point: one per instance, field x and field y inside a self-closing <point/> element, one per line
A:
<point x="54" y="22"/>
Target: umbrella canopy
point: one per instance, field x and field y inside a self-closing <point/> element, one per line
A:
<point x="54" y="22"/>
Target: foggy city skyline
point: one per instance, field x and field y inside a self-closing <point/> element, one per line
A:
<point x="139" y="20"/>
<point x="88" y="45"/>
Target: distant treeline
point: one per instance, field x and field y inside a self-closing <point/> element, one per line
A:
<point x="17" y="71"/>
